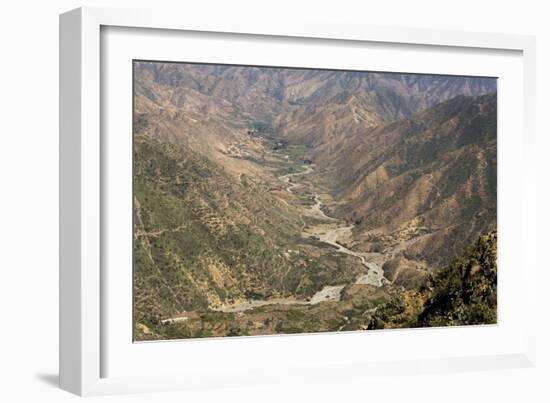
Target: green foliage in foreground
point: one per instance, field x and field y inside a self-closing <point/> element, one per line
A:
<point x="462" y="293"/>
<point x="465" y="291"/>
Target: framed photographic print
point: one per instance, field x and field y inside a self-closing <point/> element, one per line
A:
<point x="238" y="200"/>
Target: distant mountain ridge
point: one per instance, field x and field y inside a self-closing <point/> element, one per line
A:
<point x="264" y="93"/>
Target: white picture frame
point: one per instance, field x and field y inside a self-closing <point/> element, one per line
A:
<point x="83" y="342"/>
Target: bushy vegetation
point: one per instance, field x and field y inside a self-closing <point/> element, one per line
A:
<point x="465" y="291"/>
<point x="461" y="293"/>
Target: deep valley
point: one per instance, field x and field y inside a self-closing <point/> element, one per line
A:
<point x="276" y="201"/>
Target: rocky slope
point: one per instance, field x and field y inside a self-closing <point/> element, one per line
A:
<point x="431" y="177"/>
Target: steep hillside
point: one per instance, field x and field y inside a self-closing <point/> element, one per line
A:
<point x="204" y="239"/>
<point x="430" y="179"/>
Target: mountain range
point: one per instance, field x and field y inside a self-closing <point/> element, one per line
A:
<point x="257" y="184"/>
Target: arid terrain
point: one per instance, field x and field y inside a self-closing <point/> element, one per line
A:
<point x="271" y="200"/>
